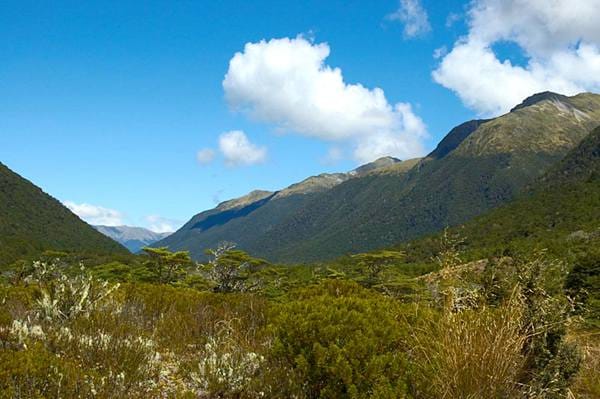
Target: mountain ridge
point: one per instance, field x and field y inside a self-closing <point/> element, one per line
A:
<point x="556" y="212"/>
<point x="479" y="165"/>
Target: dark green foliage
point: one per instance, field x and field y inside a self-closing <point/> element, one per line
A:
<point x="38" y="373"/>
<point x="231" y="270"/>
<point x="551" y="362"/>
<point x="31" y="222"/>
<point x="167" y="266"/>
<point x="343" y="340"/>
<point x="583" y="285"/>
<point x="372" y="265"/>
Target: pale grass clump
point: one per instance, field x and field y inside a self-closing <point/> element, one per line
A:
<point x="502" y="336"/>
<point x="470" y="354"/>
<point x="61" y="299"/>
<point x="587" y="383"/>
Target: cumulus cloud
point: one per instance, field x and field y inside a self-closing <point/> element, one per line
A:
<point x="159" y="224"/>
<point x="286" y="82"/>
<point x="96" y="215"/>
<point x="413" y="16"/>
<point x="205" y="156"/>
<point x="239" y="151"/>
<point x="559" y="38"/>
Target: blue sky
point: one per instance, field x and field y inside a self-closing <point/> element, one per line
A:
<point x="109" y="103"/>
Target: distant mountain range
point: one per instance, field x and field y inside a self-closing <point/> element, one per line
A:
<point x="132" y="238"/>
<point x="478" y="166"/>
<point x="31" y="222"/>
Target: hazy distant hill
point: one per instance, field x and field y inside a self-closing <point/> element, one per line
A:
<point x="31" y="222"/>
<point x="132" y="238"/>
<point x="479" y="165"/>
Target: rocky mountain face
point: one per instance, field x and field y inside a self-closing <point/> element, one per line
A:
<point x="31" y="222"/>
<point x="132" y="238"/>
<point x="478" y="166"/>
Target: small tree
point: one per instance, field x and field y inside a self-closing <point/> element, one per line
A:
<point x="229" y="269"/>
<point x="166" y="265"/>
<point x="375" y="263"/>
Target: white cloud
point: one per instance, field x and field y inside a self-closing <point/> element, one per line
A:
<point x="452" y="18"/>
<point x="159" y="224"/>
<point x="414" y="17"/>
<point x="96" y="215"/>
<point x="391" y="143"/>
<point x="238" y="150"/>
<point x="205" y="156"/>
<point x="559" y="38"/>
<point x="287" y="83"/>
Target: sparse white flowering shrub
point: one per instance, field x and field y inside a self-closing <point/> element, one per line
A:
<point x="68" y="320"/>
<point x="226" y="369"/>
<point x="22" y="330"/>
<point x="64" y="297"/>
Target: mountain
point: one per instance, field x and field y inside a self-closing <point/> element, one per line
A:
<point x="478" y="166"/>
<point x="31" y="222"/>
<point x="132" y="238"/>
<point x="558" y="211"/>
<point x="243" y="219"/>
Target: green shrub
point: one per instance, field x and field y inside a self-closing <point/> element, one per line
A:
<point x="342" y="340"/>
<point x="38" y="373"/>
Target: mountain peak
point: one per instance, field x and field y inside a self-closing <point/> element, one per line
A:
<point x="456" y="136"/>
<point x="247" y="199"/>
<point x="376" y="164"/>
<point x="314" y="184"/>
<point x="539" y="97"/>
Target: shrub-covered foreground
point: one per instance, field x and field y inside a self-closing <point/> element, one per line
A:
<point x="238" y="328"/>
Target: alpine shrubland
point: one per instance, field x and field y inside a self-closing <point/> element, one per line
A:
<point x="239" y="327"/>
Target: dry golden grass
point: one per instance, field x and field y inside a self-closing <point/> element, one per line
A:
<point x="471" y="354"/>
<point x="587" y="383"/>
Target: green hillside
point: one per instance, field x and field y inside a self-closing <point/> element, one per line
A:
<point x="478" y="166"/>
<point x="245" y="220"/>
<point x="560" y="212"/>
<point x="31" y="222"/>
<point x="487" y="169"/>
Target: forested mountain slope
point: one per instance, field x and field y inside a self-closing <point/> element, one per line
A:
<point x="31" y="222"/>
<point x="559" y="212"/>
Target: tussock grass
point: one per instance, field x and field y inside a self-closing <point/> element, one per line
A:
<point x="472" y="354"/>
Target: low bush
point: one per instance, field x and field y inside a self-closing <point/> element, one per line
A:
<point x="343" y="341"/>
